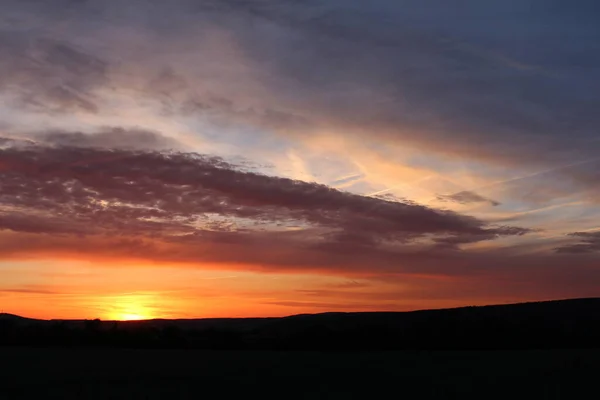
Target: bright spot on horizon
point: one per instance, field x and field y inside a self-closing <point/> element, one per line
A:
<point x="131" y="317"/>
<point x="131" y="307"/>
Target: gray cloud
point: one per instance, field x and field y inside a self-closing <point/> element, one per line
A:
<point x="49" y="75"/>
<point x="392" y="71"/>
<point x="467" y="197"/>
<point x="115" y="138"/>
<point x="589" y="242"/>
<point x="186" y="198"/>
<point x="450" y="80"/>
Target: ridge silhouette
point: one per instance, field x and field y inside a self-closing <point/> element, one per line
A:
<point x="571" y="323"/>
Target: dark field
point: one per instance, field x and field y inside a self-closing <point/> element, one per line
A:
<point x="195" y="374"/>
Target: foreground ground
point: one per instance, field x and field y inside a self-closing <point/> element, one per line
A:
<point x="180" y="374"/>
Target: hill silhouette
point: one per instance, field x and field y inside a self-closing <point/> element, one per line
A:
<point x="573" y="323"/>
<point x="13" y="317"/>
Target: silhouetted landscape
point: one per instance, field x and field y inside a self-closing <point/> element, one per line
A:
<point x="549" y="350"/>
<point x="539" y="325"/>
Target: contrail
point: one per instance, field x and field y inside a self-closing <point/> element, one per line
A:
<point x="384" y="190"/>
<point x="536" y="173"/>
<point x="397" y="186"/>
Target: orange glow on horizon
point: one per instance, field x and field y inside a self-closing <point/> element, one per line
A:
<point x="130" y="307"/>
<point x="131" y="317"/>
<point x="127" y="292"/>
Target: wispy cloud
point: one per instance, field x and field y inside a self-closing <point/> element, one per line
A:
<point x="467" y="197"/>
<point x="336" y="137"/>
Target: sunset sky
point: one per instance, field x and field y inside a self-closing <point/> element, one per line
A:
<point x="229" y="158"/>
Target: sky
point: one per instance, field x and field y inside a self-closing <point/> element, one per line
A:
<point x="237" y="158"/>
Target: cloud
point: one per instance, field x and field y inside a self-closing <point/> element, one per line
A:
<point x="29" y="289"/>
<point x="351" y="285"/>
<point x="119" y="138"/>
<point x="336" y="306"/>
<point x="49" y="75"/>
<point x="385" y="92"/>
<point x="188" y="198"/>
<point x="589" y="242"/>
<point x="421" y="85"/>
<point x="293" y="67"/>
<point x="467" y="197"/>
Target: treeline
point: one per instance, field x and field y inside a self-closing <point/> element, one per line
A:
<point x="566" y="324"/>
<point x="110" y="334"/>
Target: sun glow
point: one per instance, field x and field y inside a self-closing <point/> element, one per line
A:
<point x="131" y="307"/>
<point x="131" y="317"/>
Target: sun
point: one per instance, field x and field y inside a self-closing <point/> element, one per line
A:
<point x="131" y="307"/>
<point x="132" y="317"/>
